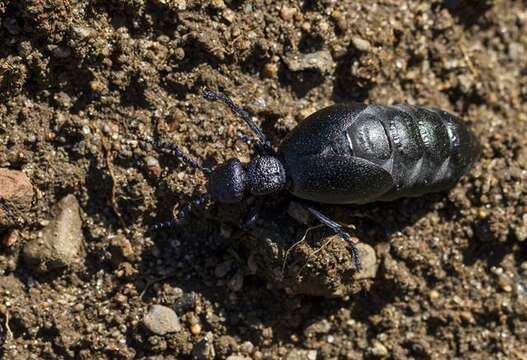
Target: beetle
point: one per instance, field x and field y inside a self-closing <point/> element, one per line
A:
<point x="345" y="154"/>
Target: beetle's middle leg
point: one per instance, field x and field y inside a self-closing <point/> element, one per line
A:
<point x="339" y="230"/>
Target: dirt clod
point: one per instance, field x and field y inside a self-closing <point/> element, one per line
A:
<point x="320" y="60"/>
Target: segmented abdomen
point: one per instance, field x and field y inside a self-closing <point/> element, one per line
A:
<point x="425" y="150"/>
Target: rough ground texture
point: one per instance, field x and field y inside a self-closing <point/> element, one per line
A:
<point x="83" y="82"/>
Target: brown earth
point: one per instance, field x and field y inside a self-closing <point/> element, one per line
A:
<point x="84" y="82"/>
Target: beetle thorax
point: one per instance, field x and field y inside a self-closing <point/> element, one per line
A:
<point x="265" y="175"/>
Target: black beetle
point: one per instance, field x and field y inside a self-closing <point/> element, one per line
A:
<point x="347" y="154"/>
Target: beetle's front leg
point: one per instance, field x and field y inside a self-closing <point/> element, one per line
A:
<point x="339" y="230"/>
<point x="183" y="214"/>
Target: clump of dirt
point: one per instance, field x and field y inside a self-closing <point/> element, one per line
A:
<point x="85" y="82"/>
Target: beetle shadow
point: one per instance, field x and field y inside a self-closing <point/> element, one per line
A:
<point x="189" y="257"/>
<point x="349" y="87"/>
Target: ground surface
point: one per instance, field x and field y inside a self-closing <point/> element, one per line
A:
<point x="83" y="82"/>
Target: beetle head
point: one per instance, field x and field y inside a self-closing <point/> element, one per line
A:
<point x="227" y="182"/>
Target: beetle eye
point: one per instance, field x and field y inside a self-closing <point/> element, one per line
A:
<point x="227" y="182"/>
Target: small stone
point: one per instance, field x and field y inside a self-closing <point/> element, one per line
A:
<point x="287" y="13"/>
<point x="10" y="238"/>
<point x="247" y="347"/>
<point x="62" y="241"/>
<point x="237" y="357"/>
<point x="323" y="26"/>
<point x="153" y="166"/>
<point x="121" y="249"/>
<point x="204" y="349"/>
<point x="434" y="295"/>
<point x="78" y="307"/>
<point x="270" y="70"/>
<point x="306" y="26"/>
<point x="320" y="60"/>
<point x="298" y="354"/>
<point x="319" y="327"/>
<point x="222" y="269"/>
<point x="60" y="52"/>
<point x="218" y="4"/>
<point x="368" y="260"/>
<point x="360" y="44"/>
<point x="195" y="329"/>
<point x="378" y="349"/>
<point x="229" y="15"/>
<point x="236" y="282"/>
<point x="83" y="32"/>
<point x="16" y="193"/>
<point x="179" y="53"/>
<point x="161" y="320"/>
<point x="97" y="86"/>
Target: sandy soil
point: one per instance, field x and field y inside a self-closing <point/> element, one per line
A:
<point x="83" y="83"/>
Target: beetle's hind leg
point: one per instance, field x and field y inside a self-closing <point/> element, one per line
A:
<point x="339" y="230"/>
<point x="183" y="214"/>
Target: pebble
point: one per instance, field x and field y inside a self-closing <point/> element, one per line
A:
<point x="270" y="70"/>
<point x="287" y="13"/>
<point x="121" y="249"/>
<point x="10" y="238"/>
<point x="62" y="241"/>
<point x="195" y="329"/>
<point x="237" y="357"/>
<point x="378" y="349"/>
<point x="298" y="354"/>
<point x="247" y="347"/>
<point x="368" y="260"/>
<point x="222" y="269"/>
<point x="153" y="166"/>
<point x="161" y="320"/>
<point x="16" y="192"/>
<point x="236" y="282"/>
<point x="319" y="327"/>
<point x="360" y="44"/>
<point x="320" y="60"/>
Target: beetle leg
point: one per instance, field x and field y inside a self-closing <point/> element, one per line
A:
<point x="244" y="115"/>
<point x="339" y="230"/>
<point x="197" y="202"/>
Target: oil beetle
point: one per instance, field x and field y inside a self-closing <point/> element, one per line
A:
<point x="346" y="154"/>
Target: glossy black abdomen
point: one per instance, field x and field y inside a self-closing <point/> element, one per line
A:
<point x="359" y="154"/>
<point x="429" y="149"/>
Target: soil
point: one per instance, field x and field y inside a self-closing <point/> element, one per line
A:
<point x="85" y="83"/>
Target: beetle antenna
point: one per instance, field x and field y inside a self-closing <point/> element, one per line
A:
<point x="244" y="115"/>
<point x="183" y="214"/>
<point x="180" y="155"/>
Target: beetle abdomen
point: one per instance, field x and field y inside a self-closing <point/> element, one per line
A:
<point x="355" y="154"/>
<point x="425" y="150"/>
